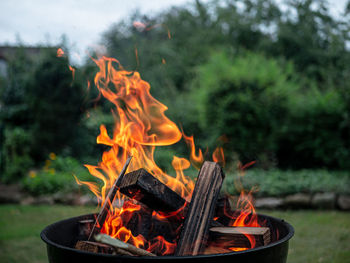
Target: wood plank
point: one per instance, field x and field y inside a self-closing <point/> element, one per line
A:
<point x="145" y="188"/>
<point x="118" y="244"/>
<point x="236" y="236"/>
<point x="195" y="230"/>
<point x="94" y="247"/>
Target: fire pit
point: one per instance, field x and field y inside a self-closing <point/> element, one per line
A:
<point x="147" y="212"/>
<point x="61" y="237"/>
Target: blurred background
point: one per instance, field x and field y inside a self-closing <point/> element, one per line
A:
<point x="271" y="76"/>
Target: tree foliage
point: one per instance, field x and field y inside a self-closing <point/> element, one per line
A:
<point x="273" y="77"/>
<point x="306" y="116"/>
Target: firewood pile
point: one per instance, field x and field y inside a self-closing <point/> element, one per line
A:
<point x="196" y="227"/>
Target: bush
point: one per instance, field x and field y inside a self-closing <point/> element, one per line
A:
<point x="315" y="132"/>
<point x="41" y="110"/>
<point x="56" y="176"/>
<point x="281" y="183"/>
<point x="15" y="154"/>
<point x="245" y="98"/>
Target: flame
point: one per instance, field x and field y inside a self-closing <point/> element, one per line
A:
<point x="140" y="126"/>
<point x="245" y="214"/>
<point x="143" y="27"/>
<point x="196" y="159"/>
<point x="60" y="52"/>
<point x="73" y="71"/>
<point x="218" y="156"/>
<point x="139" y="25"/>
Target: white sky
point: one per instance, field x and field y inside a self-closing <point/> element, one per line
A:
<point x="82" y="21"/>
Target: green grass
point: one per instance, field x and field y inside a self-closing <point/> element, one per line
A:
<point x="320" y="236"/>
<point x="20" y="228"/>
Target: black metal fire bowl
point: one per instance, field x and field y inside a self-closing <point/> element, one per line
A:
<point x="61" y="237"/>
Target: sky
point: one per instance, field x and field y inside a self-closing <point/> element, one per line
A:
<point x="34" y="22"/>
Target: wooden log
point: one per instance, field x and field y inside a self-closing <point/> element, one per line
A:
<point x="108" y="202"/>
<point x="106" y="239"/>
<point x="137" y="221"/>
<point x="94" y="247"/>
<point x="201" y="210"/>
<point x="215" y="250"/>
<point x="145" y="188"/>
<point x="236" y="236"/>
<point x="168" y="230"/>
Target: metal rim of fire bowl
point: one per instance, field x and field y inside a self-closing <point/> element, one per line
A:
<point x="289" y="228"/>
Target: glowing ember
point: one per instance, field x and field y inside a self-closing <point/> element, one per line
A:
<point x="60" y="52"/>
<point x="73" y="71"/>
<point x="140" y="126"/>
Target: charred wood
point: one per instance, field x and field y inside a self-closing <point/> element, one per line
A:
<point x="195" y="231"/>
<point x="145" y="188"/>
<point x="94" y="247"/>
<point x="236" y="236"/>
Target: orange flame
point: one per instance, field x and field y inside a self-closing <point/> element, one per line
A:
<point x="143" y="27"/>
<point x="139" y="25"/>
<point x="196" y="159"/>
<point x="245" y="212"/>
<point x="73" y="71"/>
<point x="60" y="52"/>
<point x="140" y="126"/>
<point x="218" y="156"/>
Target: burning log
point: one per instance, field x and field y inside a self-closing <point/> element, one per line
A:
<point x="138" y="221"/>
<point x="167" y="205"/>
<point x="116" y="243"/>
<point x="236" y="236"/>
<point x="109" y="200"/>
<point x="145" y="188"/>
<point x="141" y="220"/>
<point x="94" y="247"/>
<point x="201" y="210"/>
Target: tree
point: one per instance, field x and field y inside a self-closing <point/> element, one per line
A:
<point x="54" y="98"/>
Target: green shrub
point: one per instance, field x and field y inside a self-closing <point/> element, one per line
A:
<point x="245" y="98"/>
<point x="56" y="176"/>
<point x="15" y="154"/>
<point x="315" y="132"/>
<point x="281" y="183"/>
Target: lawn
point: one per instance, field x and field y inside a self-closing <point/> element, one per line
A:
<point x="321" y="236"/>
